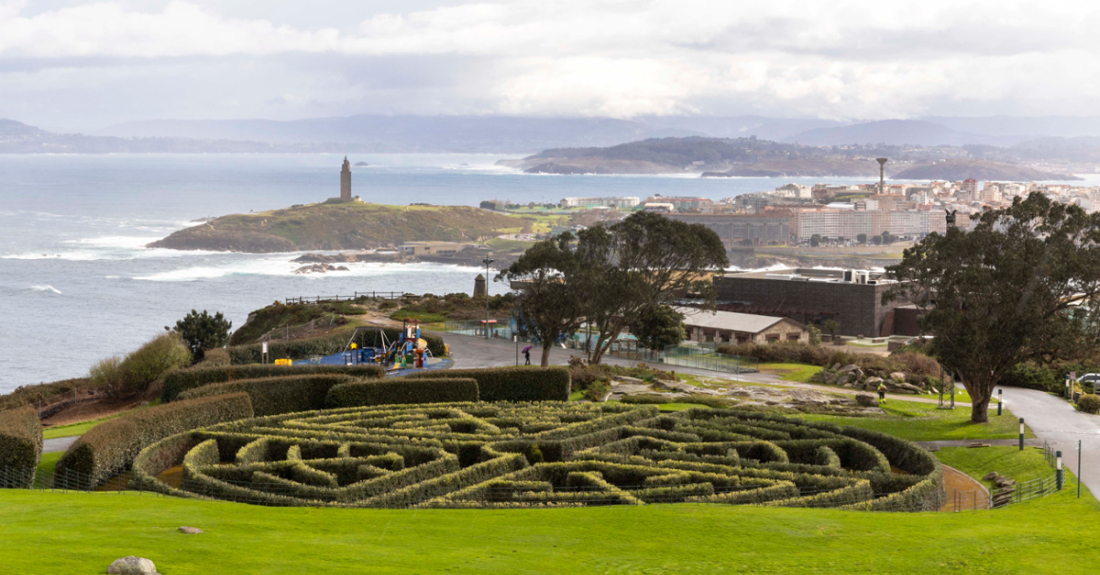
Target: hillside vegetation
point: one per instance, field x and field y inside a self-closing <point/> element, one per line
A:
<point x="341" y="227"/>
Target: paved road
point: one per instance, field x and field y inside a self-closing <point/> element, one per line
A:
<point x="470" y="351"/>
<point x="1056" y="421"/>
<point x="59" y="444"/>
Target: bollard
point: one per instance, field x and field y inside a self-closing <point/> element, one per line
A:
<point x="1021" y="434"/>
<point x="1059" y="474"/>
<point x="1000" y="401"/>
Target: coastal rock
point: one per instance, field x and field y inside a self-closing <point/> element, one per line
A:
<point x="320" y="269"/>
<point x="132" y="566"/>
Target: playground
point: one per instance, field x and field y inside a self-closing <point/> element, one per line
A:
<point x="407" y="353"/>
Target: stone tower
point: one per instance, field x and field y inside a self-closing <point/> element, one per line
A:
<point x="345" y="181"/>
<point x="479" y="286"/>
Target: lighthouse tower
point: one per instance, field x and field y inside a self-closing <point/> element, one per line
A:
<point x="345" y="181"/>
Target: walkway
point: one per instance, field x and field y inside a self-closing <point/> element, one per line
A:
<point x="59" y="444"/>
<point x="1056" y="421"/>
<point x="470" y="351"/>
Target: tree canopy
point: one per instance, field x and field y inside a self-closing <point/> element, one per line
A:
<point x="1021" y="285"/>
<point x="202" y="331"/>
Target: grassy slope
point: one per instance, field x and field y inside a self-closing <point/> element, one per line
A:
<point x="1022" y="466"/>
<point x="799" y="372"/>
<point x="82" y="533"/>
<point x="924" y="422"/>
<point x="344" y="226"/>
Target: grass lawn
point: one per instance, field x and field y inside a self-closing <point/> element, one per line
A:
<point x="800" y="372"/>
<point x="75" y="429"/>
<point x="681" y="406"/>
<point x="78" y="533"/>
<point x="49" y="461"/>
<point x="1022" y="466"/>
<point x="924" y="422"/>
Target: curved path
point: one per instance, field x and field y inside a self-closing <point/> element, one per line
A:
<point x="1056" y="421"/>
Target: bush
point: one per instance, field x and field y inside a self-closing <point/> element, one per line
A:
<point x="276" y="395"/>
<point x="179" y="381"/>
<point x="1033" y="376"/>
<point x="512" y="383"/>
<point x="20" y="446"/>
<point x="217" y="357"/>
<point x="403" y="390"/>
<point x="797" y="352"/>
<point x="597" y="390"/>
<point x="1089" y="403"/>
<point x="201" y="332"/>
<point x="109" y="448"/>
<point x="123" y="377"/>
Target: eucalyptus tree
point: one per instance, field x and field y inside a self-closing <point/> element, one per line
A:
<point x="1021" y="285"/>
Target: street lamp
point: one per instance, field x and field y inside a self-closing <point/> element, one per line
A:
<point x="488" y="260"/>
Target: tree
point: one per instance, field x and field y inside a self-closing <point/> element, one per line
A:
<point x="831" y="326"/>
<point x="877" y="240"/>
<point x="815" y="240"/>
<point x="549" y="304"/>
<point x="861" y="238"/>
<point x="644" y="261"/>
<point x="887" y="239"/>
<point x="815" y="336"/>
<point x="658" y="327"/>
<point x="1020" y="285"/>
<point x="202" y="331"/>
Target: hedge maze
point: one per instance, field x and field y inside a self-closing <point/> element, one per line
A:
<point x="542" y="454"/>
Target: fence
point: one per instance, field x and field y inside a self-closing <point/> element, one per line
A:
<point x="357" y="295"/>
<point x="1018" y="493"/>
<point x="702" y="356"/>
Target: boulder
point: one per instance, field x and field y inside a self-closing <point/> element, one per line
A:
<point x="865" y="400"/>
<point x="898" y="376"/>
<point x="835" y="367"/>
<point x="844" y="379"/>
<point x="132" y="566"/>
<point x="830" y="378"/>
<point x="991" y="476"/>
<point x="848" y="368"/>
<point x="903" y="387"/>
<point x="873" y="381"/>
<point x="190" y="530"/>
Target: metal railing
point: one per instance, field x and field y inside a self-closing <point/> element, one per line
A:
<point x="702" y="356"/>
<point x="357" y="295"/>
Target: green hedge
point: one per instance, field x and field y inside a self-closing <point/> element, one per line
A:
<point x="20" y="447"/>
<point x="512" y="383"/>
<point x="324" y="345"/>
<point x="110" y="447"/>
<point x="402" y="390"/>
<point x="276" y="395"/>
<point x="179" y="381"/>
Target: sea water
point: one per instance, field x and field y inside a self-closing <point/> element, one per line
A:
<point x="77" y="283"/>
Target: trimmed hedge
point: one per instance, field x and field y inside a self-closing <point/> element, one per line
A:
<point x="402" y="390"/>
<point x="512" y="383"/>
<point x="179" y="381"/>
<point x="20" y="447"/>
<point x="324" y="345"/>
<point x="110" y="447"/>
<point x="276" y="395"/>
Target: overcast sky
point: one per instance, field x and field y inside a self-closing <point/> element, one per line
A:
<point x="70" y="64"/>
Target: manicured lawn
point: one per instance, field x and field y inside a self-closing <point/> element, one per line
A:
<point x="576" y="396"/>
<point x="681" y="406"/>
<point x="48" y="461"/>
<point x="1022" y="466"/>
<point x="924" y="422"/>
<point x="81" y="533"/>
<point x="800" y="372"/>
<point x="76" y="429"/>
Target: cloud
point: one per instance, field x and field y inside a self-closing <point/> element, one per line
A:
<point x="856" y="59"/>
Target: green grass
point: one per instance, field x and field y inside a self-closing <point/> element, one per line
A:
<point x="76" y="429"/>
<point x="800" y="372"/>
<point x="423" y="316"/>
<point x="576" y="396"/>
<point x="681" y="406"/>
<point x="1010" y="462"/>
<point x="78" y="533"/>
<point x="49" y="461"/>
<point x="924" y="422"/>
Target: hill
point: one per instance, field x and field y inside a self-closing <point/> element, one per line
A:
<point x="895" y="133"/>
<point x="347" y="226"/>
<point x="979" y="170"/>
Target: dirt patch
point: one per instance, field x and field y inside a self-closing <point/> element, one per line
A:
<point x="964" y="493"/>
<point x="172" y="477"/>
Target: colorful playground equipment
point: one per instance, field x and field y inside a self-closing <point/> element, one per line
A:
<point x="408" y="351"/>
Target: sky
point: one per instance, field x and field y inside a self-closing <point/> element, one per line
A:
<point x="81" y="65"/>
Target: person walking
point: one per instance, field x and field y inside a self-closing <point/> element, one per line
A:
<point x="882" y="393"/>
<point x="527" y="356"/>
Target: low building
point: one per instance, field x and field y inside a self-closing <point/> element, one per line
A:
<point x="852" y="298"/>
<point x="432" y="248"/>
<point x="731" y="327"/>
<point x="624" y="202"/>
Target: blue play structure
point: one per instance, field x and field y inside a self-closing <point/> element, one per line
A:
<point x="409" y="351"/>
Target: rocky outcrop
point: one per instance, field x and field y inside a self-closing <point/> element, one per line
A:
<point x="320" y="269"/>
<point x="852" y="376"/>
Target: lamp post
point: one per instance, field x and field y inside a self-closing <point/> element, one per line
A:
<point x="488" y="260"/>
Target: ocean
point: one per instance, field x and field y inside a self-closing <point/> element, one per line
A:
<point x="77" y="284"/>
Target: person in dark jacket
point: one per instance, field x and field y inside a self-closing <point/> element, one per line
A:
<point x="527" y="356"/>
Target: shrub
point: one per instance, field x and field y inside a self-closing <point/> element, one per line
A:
<point x="20" y="446"/>
<point x="403" y="390"/>
<point x="512" y="383"/>
<point x="110" y="447"/>
<point x="1089" y="403"/>
<point x="797" y="352"/>
<point x="123" y="377"/>
<point x="276" y="395"/>
<point x="1033" y="376"/>
<point x="179" y="381"/>
<point x="597" y="390"/>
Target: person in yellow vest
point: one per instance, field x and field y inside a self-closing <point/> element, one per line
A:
<point x="882" y="393"/>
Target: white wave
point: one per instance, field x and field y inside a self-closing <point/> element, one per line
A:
<point x="269" y="266"/>
<point x="122" y="242"/>
<point x="47" y="289"/>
